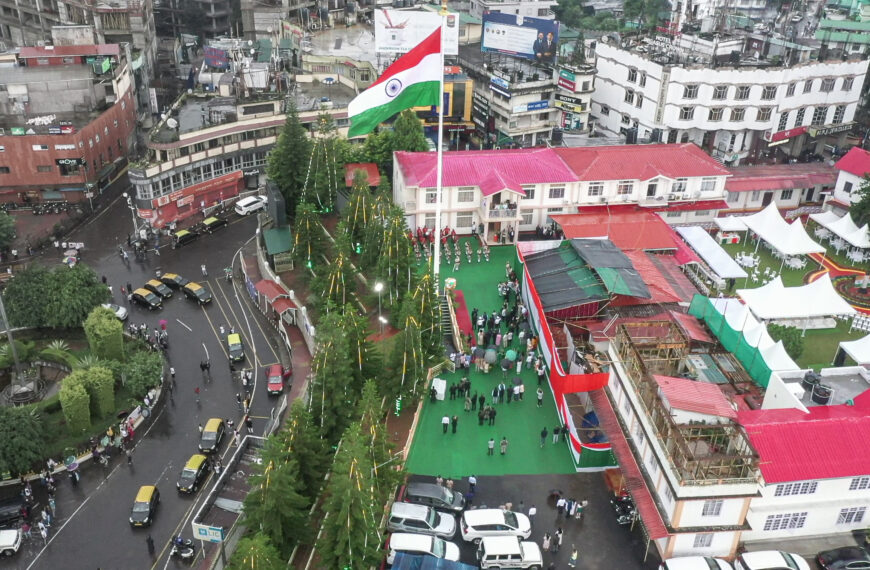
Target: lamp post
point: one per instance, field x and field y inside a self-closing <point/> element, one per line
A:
<point x="379" y="288"/>
<point x="132" y="213"/>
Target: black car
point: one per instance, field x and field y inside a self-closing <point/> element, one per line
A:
<point x="197" y="292"/>
<point x="195" y="470"/>
<point x="158" y="287"/>
<point x="174" y="280"/>
<point x="10" y="511"/>
<point x="213" y="224"/>
<point x="183" y="237"/>
<point x="845" y="558"/>
<point x="145" y="506"/>
<point x="147" y="299"/>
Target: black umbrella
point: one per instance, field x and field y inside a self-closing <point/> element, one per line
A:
<point x="479" y="352"/>
<point x="524" y="325"/>
<point x="506" y="364"/>
<point x="517" y="380"/>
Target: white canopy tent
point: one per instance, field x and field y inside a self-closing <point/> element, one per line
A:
<point x="858" y="350"/>
<point x="775" y="301"/>
<point x="711" y="252"/>
<point x="730" y="224"/>
<point x="844" y="227"/>
<point x="788" y="239"/>
<point x="739" y="317"/>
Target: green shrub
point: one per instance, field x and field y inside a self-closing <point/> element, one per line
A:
<point x="143" y="372"/>
<point x="100" y="385"/>
<point x="75" y="403"/>
<point x="105" y="334"/>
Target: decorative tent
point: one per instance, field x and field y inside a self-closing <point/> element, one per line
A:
<point x="711" y="252"/>
<point x="788" y="239"/>
<point x="730" y="224"/>
<point x="858" y="350"/>
<point x="844" y="227"/>
<point x="776" y="301"/>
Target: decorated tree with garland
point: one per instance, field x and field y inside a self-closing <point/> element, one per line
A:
<point x="396" y="258"/>
<point x="290" y="159"/>
<point x="373" y="235"/>
<point x="407" y="366"/>
<point x="325" y="168"/>
<point x="337" y="283"/>
<point x="380" y="449"/>
<point x="302" y="438"/>
<point x="423" y="304"/>
<point x="366" y="361"/>
<point x="308" y="236"/>
<point x="331" y="397"/>
<point x="359" y="207"/>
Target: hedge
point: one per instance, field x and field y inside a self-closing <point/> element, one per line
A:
<point x="75" y="403"/>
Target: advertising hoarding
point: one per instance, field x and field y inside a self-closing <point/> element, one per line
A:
<point x="398" y="31"/>
<point x="216" y="58"/>
<point x="530" y="38"/>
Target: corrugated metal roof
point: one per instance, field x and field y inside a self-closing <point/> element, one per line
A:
<point x="628" y="227"/>
<point x="270" y="289"/>
<point x="695" y="396"/>
<point x="828" y="442"/>
<point x="62" y="51"/>
<point x="856" y="161"/>
<point x="780" y="176"/>
<point x="640" y="162"/>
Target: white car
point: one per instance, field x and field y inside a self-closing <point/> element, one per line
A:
<point x="479" y="523"/>
<point x="10" y="542"/>
<point x="695" y="563"/>
<point x="120" y="312"/>
<point x="770" y="560"/>
<point x="421" y="544"/>
<point x="250" y="204"/>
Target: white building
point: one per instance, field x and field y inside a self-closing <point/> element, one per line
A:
<point x="851" y="171"/>
<point x="531" y="8"/>
<point x="732" y="112"/>
<point x="574" y="96"/>
<point x="789" y="186"/>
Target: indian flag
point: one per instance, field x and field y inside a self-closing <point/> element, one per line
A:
<point x="413" y="80"/>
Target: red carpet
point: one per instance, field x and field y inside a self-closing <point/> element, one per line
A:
<point x="462" y="317"/>
<point x="835" y="271"/>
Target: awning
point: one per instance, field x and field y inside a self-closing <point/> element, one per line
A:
<point x="844" y="227"/>
<point x="106" y="170"/>
<point x="858" y="350"/>
<point x="765" y="183"/>
<point x="730" y="224"/>
<point x="51" y="195"/>
<point x="270" y="289"/>
<point x="278" y="240"/>
<point x="695" y="205"/>
<point x="788" y="239"/>
<point x="711" y="252"/>
<point x="72" y="189"/>
<point x="282" y="305"/>
<point x="776" y="301"/>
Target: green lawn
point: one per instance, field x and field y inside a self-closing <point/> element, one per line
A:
<point x="790" y="277"/>
<point x="820" y="346"/>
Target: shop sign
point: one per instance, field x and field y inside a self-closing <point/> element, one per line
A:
<point x="185" y="201"/>
<point x="64" y="147"/>
<point x="70" y="161"/>
<point x="54" y="130"/>
<point x="830" y="129"/>
<point x="67" y="129"/>
<point x="254" y="172"/>
<point x="567" y="79"/>
<point x="18" y="131"/>
<point x="532" y="106"/>
<point x="787" y="134"/>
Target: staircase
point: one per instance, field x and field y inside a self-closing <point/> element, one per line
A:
<point x="446" y="324"/>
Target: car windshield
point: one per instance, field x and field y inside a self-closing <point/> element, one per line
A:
<point x="447" y="495"/>
<point x="510" y="519"/>
<point x="152" y="298"/>
<point x="438" y="548"/>
<point x="209" y="435"/>
<point x="188" y="475"/>
<point x="432" y="519"/>
<point x="140" y="507"/>
<point x="200" y="293"/>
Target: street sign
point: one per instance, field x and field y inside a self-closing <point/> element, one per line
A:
<point x="208" y="533"/>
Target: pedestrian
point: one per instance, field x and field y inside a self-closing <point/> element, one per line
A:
<point x="43" y="531"/>
<point x="445" y="421"/>
<point x="492" y="416"/>
<point x="439" y="480"/>
<point x="556" y="431"/>
<point x="237" y="438"/>
<point x="481" y="400"/>
<point x="247" y="404"/>
<point x="452" y="391"/>
<point x="172" y="373"/>
<point x="25" y="529"/>
<point x="249" y="423"/>
<point x="453" y="422"/>
<point x="150" y="542"/>
<point x="490" y="446"/>
<point x="200" y="429"/>
<point x="503" y="445"/>
<point x="572" y="561"/>
<point x="560" y="506"/>
<point x="540" y="394"/>
<point x="449" y="483"/>
<point x="129" y="454"/>
<point x="239" y="400"/>
<point x="533" y="510"/>
<point x="204" y="272"/>
<point x="467" y="403"/>
<point x="472" y="483"/>
<point x="481" y="416"/>
<point x="557" y="539"/>
<point x="46" y="518"/>
<point x="543" y="436"/>
<point x="51" y="504"/>
<point x="546" y="542"/>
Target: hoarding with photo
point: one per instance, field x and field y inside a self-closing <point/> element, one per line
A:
<point x="399" y="31"/>
<point x="530" y="38"/>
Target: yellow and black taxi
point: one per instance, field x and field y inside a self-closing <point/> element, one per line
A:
<point x="183" y="237"/>
<point x="174" y="280"/>
<point x="235" y="348"/>
<point x="156" y="286"/>
<point x="197" y="292"/>
<point x="146" y="298"/>
<point x="213" y="224"/>
<point x="145" y="506"/>
<point x="193" y="474"/>
<point x="212" y="434"/>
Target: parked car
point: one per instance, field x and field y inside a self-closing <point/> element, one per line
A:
<point x="250" y="204"/>
<point x="145" y="506"/>
<point x="211" y="225"/>
<point x="695" y="563"/>
<point x="183" y="237"/>
<point x="770" y="560"/>
<point x="211" y="436"/>
<point x="197" y="292"/>
<point x="275" y="377"/>
<point x="10" y="542"/>
<point x="195" y="470"/>
<point x="120" y="312"/>
<point x="420" y="544"/>
<point x="509" y="552"/>
<point x="156" y="286"/>
<point x="406" y="517"/>
<point x="147" y="299"/>
<point x="174" y="280"/>
<point x="235" y="348"/>
<point x="845" y="558"/>
<point x="478" y="523"/>
<point x="434" y="496"/>
<point x="10" y="511"/>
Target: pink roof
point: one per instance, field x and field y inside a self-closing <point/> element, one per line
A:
<point x="369" y="168"/>
<point x="695" y="396"/>
<point x="490" y="170"/>
<point x="270" y="289"/>
<point x="627" y="226"/>
<point x="640" y="162"/>
<point x="827" y="443"/>
<point x="62" y="51"/>
<point x="780" y="176"/>
<point x="856" y="161"/>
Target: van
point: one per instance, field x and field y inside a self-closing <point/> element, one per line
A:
<point x="183" y="237"/>
<point x="509" y="552"/>
<point x="420" y="544"/>
<point x="770" y="560"/>
<point x="435" y="496"/>
<point x="695" y="563"/>
<point x="250" y="204"/>
<point x="405" y="517"/>
<point x="478" y="523"/>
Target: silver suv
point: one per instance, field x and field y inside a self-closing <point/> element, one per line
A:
<point x="405" y="517"/>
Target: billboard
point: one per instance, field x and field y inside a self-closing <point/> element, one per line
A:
<point x="216" y="58"/>
<point x="398" y="31"/>
<point x="531" y="38"/>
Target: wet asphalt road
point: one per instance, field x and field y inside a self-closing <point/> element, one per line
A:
<point x="92" y="529"/>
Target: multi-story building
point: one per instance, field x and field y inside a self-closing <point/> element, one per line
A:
<point x="737" y="110"/>
<point x="262" y="18"/>
<point x="789" y="186"/>
<point x="68" y="115"/>
<point x="574" y="96"/>
<point x="843" y="37"/>
<point x="531" y="8"/>
<point x="214" y="17"/>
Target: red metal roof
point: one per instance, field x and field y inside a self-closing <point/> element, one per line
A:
<point x="627" y="226"/>
<point x="828" y="442"/>
<point x="270" y="289"/>
<point x="691" y="326"/>
<point x="491" y="170"/>
<point x="369" y="168"/>
<point x="283" y="304"/>
<point x="634" y="481"/>
<point x="856" y="161"/>
<point x="780" y="176"/>
<point x="63" y="51"/>
<point x="693" y="206"/>
<point x="695" y="396"/>
<point x="640" y="162"/>
<point x="658" y="279"/>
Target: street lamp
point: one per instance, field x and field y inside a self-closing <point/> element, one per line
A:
<point x="132" y="213"/>
<point x="379" y="288"/>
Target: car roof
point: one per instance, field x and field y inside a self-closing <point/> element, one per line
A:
<point x="143" y="291"/>
<point x="695" y="563"/>
<point x="212" y="424"/>
<point x="249" y="200"/>
<point x="211" y="220"/>
<point x="144" y="494"/>
<point x="193" y="285"/>
<point x="182" y="233"/>
<point x="171" y="275"/>
<point x="154" y="282"/>
<point x="477" y="516"/>
<point x="770" y="559"/>
<point x="234" y="338"/>
<point x="409" y="510"/>
<point x="195" y="461"/>
<point x="275" y="369"/>
<point x="503" y="544"/>
<point x="410" y="541"/>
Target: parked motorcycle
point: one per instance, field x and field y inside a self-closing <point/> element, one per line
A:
<point x="625" y="509"/>
<point x="183" y="549"/>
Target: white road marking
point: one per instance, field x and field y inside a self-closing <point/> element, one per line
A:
<point x="184" y="325"/>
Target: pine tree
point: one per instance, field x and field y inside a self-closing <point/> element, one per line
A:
<point x="358" y="209"/>
<point x="255" y="551"/>
<point x="384" y="464"/>
<point x="408" y="133"/>
<point x="325" y="172"/>
<point x="337" y="283"/>
<point x="308" y="237"/>
<point x="366" y="361"/>
<point x="396" y="258"/>
<point x="422" y="304"/>
<point x="302" y="439"/>
<point x="350" y="537"/>
<point x="288" y="161"/>
<point x="407" y="370"/>
<point x="331" y="399"/>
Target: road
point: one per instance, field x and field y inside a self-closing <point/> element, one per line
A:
<point x="92" y="529"/>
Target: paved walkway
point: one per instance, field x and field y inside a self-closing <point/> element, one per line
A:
<point x="835" y="270"/>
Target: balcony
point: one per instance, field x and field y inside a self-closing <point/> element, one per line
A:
<point x="499" y="214"/>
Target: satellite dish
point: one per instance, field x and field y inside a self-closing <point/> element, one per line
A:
<point x="269" y="30"/>
<point x="253" y="51"/>
<point x="189" y="91"/>
<point x="250" y="42"/>
<point x="172" y="123"/>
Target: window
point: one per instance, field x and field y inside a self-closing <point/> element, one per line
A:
<point x="763" y="114"/>
<point x="788" y="489"/>
<point x="430" y="221"/>
<point x="529" y="189"/>
<point x="595" y="189"/>
<point x="626" y="120"/>
<point x="768" y="92"/>
<point x="629" y="96"/>
<point x="43" y="169"/>
<point x="858" y="483"/>
<point x="4" y="170"/>
<point x="465" y="194"/>
<point x="638" y="434"/>
<point x="543" y="12"/>
<point x="686" y="113"/>
<point x="808" y="85"/>
<point x="703" y="541"/>
<point x="674" y="214"/>
<point x="669" y="495"/>
<point x="554" y="210"/>
<point x="851" y="515"/>
<point x="847" y="188"/>
<point x="742" y="92"/>
<point x="464" y="219"/>
<point x="839" y="114"/>
<point x="847" y="83"/>
<point x="690" y="91"/>
<point x="651" y="188"/>
<point x="783" y="122"/>
<point x="702" y="213"/>
<point x="716" y="114"/>
<point x="786" y="194"/>
<point x="652" y="464"/>
<point x="632" y="75"/>
<point x="556" y="192"/>
<point x="639" y="101"/>
<point x="720" y="92"/>
<point x="827" y="85"/>
<point x="69" y="60"/>
<point x="737" y="114"/>
<point x="712" y="508"/>
<point x="605" y="110"/>
<point x="819" y="115"/>
<point x="679" y="185"/>
<point x="643" y="79"/>
<point x="625" y="187"/>
<point x="708" y="184"/>
<point x="756" y="194"/>
<point x="431" y="195"/>
<point x="790" y="91"/>
<point x="799" y="119"/>
<point x="785" y="521"/>
<point x="525" y="218"/>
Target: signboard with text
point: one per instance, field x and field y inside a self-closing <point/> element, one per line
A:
<point x="567" y="79"/>
<point x="536" y="39"/>
<point x="398" y="31"/>
<point x="787" y="134"/>
<point x="532" y="106"/>
<point x="821" y="131"/>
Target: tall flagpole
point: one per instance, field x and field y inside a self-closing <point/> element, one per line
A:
<point x="440" y="159"/>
